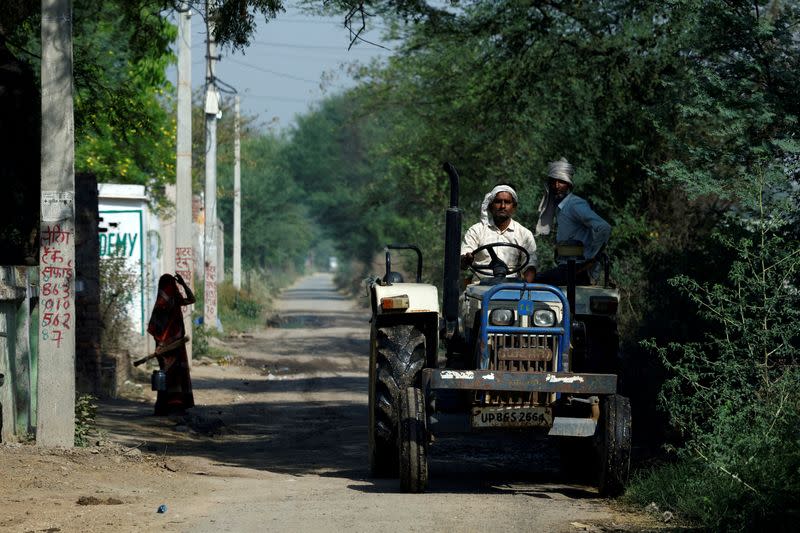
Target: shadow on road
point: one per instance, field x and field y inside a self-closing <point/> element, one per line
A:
<point x="289" y="411"/>
<point x="321" y="320"/>
<point x="312" y="294"/>
<point x="330" y="439"/>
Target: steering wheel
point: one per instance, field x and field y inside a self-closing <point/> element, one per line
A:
<point x="497" y="267"/>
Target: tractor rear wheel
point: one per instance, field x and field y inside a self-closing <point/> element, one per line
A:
<point x="413" y="442"/>
<point x="399" y="357"/>
<point x="614" y="444"/>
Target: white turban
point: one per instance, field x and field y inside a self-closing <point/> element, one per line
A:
<point x="560" y="170"/>
<point x="489" y="198"/>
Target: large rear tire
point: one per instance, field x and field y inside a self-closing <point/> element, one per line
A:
<point x="413" y="442"/>
<point x="614" y="445"/>
<point x="399" y="356"/>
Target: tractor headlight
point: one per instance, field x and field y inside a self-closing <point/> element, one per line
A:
<point x="544" y="318"/>
<point x="501" y="317"/>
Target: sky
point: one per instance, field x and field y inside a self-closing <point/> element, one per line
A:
<point x="281" y="73"/>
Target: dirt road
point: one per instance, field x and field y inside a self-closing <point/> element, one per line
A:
<point x="278" y="443"/>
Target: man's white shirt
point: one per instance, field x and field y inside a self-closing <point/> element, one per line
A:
<point x="480" y="234"/>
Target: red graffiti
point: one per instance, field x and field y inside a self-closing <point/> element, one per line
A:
<point x="210" y="294"/>
<point x="51" y="272"/>
<point x="54" y="235"/>
<point x="184" y="262"/>
<point x="184" y="265"/>
<point x="56" y="290"/>
<point x="184" y="252"/>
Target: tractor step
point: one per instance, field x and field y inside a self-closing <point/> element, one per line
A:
<point x="572" y="427"/>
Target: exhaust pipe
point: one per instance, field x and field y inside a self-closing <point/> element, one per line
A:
<point x="452" y="255"/>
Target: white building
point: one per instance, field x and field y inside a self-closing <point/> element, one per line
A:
<point x="130" y="230"/>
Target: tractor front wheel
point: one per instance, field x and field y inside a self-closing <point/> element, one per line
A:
<point x="614" y="444"/>
<point x="413" y="442"/>
<point x="399" y="357"/>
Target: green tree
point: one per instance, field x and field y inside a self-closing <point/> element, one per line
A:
<point x="123" y="132"/>
<point x="327" y="159"/>
<point x="733" y="395"/>
<point x="276" y="229"/>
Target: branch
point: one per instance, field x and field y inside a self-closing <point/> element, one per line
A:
<point x="723" y="469"/>
<point x="774" y="420"/>
<point x="782" y="260"/>
<point x="356" y="10"/>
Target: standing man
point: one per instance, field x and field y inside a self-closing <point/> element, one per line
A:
<point x="497" y="226"/>
<point x="575" y="221"/>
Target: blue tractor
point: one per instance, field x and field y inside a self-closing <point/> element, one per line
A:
<point x="519" y="356"/>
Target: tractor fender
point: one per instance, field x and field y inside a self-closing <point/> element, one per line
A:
<point x="422" y="298"/>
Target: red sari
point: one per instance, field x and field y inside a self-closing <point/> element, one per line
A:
<point x="166" y="327"/>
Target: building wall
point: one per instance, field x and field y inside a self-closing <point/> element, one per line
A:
<point x="131" y="233"/>
<point x="88" y="322"/>
<point x="18" y="388"/>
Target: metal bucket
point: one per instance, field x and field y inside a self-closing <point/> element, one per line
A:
<point x="158" y="380"/>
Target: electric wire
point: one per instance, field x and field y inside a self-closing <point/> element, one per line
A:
<point x="311" y="46"/>
<point x="273" y="72"/>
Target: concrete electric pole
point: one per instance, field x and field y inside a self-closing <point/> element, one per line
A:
<point x="184" y="249"/>
<point x="237" y="201"/>
<point x="212" y="109"/>
<point x="56" y="381"/>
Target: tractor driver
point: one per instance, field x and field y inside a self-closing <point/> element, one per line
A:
<point x="574" y="221"/>
<point x="497" y="226"/>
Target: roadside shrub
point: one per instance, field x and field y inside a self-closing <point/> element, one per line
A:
<point x="199" y="341"/>
<point x="734" y="397"/>
<point x="245" y="309"/>
<point x="248" y="308"/>
<point x="85" y="412"/>
<point x="242" y="302"/>
<point x="116" y="292"/>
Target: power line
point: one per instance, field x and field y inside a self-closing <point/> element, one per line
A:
<point x="273" y="72"/>
<point x="333" y="22"/>
<point x="313" y="47"/>
<point x="312" y="57"/>
<point x="277" y="98"/>
<point x="226" y="87"/>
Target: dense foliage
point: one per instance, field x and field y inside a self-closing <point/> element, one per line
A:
<point x="681" y="118"/>
<point x="123" y="130"/>
<point x="733" y="394"/>
<point x="276" y="230"/>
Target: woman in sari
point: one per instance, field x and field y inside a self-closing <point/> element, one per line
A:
<point x="166" y="327"/>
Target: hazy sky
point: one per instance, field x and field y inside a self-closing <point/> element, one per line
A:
<point x="282" y="71"/>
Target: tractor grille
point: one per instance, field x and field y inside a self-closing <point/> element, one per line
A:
<point x="520" y="353"/>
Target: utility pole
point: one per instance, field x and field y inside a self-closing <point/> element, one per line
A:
<point x="212" y="109"/>
<point x="184" y="250"/>
<point x="237" y="201"/>
<point x="56" y="380"/>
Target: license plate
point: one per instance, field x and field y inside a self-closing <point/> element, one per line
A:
<point x="513" y="417"/>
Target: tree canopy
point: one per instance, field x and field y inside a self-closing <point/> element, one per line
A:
<point x="681" y="119"/>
